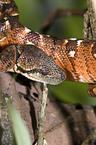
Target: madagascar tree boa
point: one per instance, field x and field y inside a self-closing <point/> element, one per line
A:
<point x="41" y="57"/>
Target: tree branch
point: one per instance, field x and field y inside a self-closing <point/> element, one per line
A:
<point x="41" y="115"/>
<point x="90" y="21"/>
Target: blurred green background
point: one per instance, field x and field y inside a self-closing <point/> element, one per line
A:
<point x="33" y="14"/>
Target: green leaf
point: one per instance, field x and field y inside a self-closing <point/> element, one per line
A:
<point x="20" y="130"/>
<point x="73" y="92"/>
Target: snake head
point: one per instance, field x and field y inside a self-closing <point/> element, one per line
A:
<point x="36" y="65"/>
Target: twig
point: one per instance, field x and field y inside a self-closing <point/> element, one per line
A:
<point x="90" y="21"/>
<point x="7" y="93"/>
<point x="57" y="13"/>
<point x="41" y="115"/>
<point x="6" y="124"/>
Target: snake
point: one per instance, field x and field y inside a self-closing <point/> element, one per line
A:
<point x="44" y="58"/>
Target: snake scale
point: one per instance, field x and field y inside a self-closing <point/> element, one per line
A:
<point x="41" y="57"/>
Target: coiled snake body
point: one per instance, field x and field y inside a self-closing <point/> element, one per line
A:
<point x="42" y="57"/>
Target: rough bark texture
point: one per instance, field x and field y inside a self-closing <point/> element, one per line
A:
<point x="90" y="21"/>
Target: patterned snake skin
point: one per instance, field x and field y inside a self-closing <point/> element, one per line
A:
<point x="41" y="57"/>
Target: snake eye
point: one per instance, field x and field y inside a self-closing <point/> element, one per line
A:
<point x="44" y="72"/>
